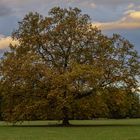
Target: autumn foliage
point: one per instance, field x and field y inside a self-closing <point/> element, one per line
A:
<point x="64" y="68"/>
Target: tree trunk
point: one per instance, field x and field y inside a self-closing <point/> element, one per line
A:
<point x="65" y="108"/>
<point x="65" y="117"/>
<point x="65" y="122"/>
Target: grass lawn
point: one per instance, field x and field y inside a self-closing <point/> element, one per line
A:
<point x="128" y="129"/>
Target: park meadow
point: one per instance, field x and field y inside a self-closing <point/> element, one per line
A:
<point x="126" y="129"/>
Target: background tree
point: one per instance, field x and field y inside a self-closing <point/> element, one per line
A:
<point x="121" y="103"/>
<point x="60" y="63"/>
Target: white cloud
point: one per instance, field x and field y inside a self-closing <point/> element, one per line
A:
<point x="93" y="5"/>
<point x="128" y="12"/>
<point x="135" y="14"/>
<point x="130" y="6"/>
<point x="5" y="41"/>
<point x="131" y="20"/>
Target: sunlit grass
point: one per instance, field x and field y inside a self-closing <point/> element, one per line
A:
<point x="80" y="130"/>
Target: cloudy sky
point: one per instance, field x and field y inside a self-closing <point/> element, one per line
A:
<point x="112" y="16"/>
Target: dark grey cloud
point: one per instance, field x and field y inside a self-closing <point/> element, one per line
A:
<point x="12" y="11"/>
<point x="109" y="8"/>
<point x="113" y="2"/>
<point x="5" y="10"/>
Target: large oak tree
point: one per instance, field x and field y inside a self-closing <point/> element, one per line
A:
<point x="61" y="63"/>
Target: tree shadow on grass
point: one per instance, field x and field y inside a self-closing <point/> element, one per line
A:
<point x="78" y="125"/>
